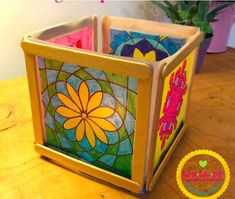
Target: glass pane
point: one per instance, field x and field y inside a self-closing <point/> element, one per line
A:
<point x="143" y="46"/>
<point x="89" y="114"/>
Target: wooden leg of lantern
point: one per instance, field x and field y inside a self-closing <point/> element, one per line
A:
<point x="191" y="79"/>
<point x="141" y="133"/>
<point x="166" y="158"/>
<point x="34" y="97"/>
<point x="153" y="140"/>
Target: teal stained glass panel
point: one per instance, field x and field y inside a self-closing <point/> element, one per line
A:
<point x="124" y="43"/>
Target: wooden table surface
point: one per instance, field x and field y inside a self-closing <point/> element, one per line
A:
<point x="24" y="174"/>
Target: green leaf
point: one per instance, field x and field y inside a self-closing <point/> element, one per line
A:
<point x="171" y="7"/>
<point x="190" y="4"/>
<point x="194" y="10"/>
<point x="213" y="13"/>
<point x="182" y="5"/>
<point x="214" y="20"/>
<point x="203" y="7"/>
<point x="184" y="15"/>
<point x="181" y="22"/>
<point x="204" y="26"/>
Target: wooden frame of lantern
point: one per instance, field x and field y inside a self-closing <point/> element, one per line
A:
<point x="150" y="76"/>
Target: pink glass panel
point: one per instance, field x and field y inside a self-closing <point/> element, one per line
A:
<point x="80" y="39"/>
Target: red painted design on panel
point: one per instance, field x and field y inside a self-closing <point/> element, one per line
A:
<point x="173" y="103"/>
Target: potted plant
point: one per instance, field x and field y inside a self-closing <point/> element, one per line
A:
<point x="194" y="13"/>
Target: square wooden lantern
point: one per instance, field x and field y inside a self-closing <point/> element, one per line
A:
<point x="117" y="113"/>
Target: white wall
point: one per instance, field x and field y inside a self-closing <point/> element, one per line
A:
<point x="231" y="41"/>
<point x="18" y="17"/>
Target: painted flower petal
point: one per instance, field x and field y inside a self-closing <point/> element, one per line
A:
<point x="80" y="131"/>
<point x="67" y="112"/>
<point x="138" y="54"/>
<point x="83" y="94"/>
<point x="150" y="56"/>
<point x="102" y="112"/>
<point x="68" y="102"/>
<point x="98" y="132"/>
<point x="90" y="134"/>
<point x="72" y="123"/>
<point x="94" y="101"/>
<point x="74" y="95"/>
<point x="103" y="124"/>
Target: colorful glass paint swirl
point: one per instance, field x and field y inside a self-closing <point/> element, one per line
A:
<point x="143" y="46"/>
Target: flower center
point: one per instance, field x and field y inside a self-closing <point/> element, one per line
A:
<point x="84" y="116"/>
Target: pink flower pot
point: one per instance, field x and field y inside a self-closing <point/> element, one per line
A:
<point x="221" y="29"/>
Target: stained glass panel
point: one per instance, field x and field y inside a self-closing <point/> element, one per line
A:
<point x="80" y="39"/>
<point x="89" y="114"/>
<point x="143" y="46"/>
<point x="173" y="107"/>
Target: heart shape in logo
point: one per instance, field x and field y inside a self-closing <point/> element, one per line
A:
<point x="202" y="163"/>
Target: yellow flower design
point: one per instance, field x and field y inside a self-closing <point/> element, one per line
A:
<point x="85" y="113"/>
<point x="150" y="56"/>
